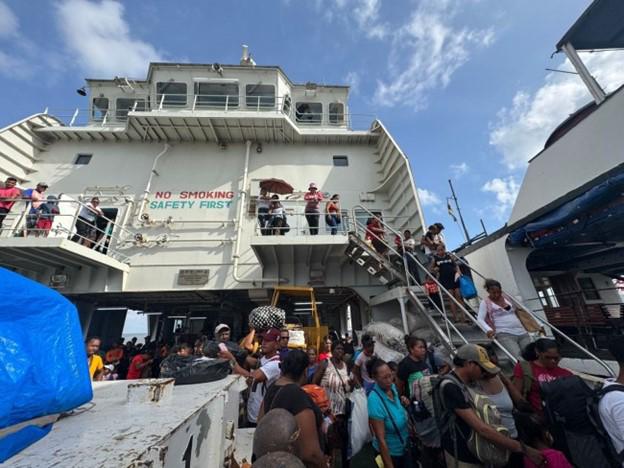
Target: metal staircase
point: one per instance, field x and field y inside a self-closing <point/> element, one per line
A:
<point x="396" y="270"/>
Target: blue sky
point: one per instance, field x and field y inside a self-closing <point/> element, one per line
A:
<point x="461" y="84"/>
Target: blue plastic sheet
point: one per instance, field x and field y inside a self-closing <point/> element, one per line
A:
<point x="43" y="365"/>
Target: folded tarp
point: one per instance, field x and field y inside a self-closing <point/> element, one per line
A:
<point x="43" y="364"/>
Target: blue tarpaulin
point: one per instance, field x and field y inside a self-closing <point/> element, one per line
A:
<point x="596" y="196"/>
<point x="43" y="365"/>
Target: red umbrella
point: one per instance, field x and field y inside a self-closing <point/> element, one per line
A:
<point x="278" y="186"/>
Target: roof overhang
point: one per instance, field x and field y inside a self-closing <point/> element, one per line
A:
<point x="209" y="126"/>
<point x="601" y="26"/>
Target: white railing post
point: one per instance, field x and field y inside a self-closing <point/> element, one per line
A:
<point x="227" y="102"/>
<point x="162" y="99"/>
<point x="194" y="102"/>
<point x="73" y="119"/>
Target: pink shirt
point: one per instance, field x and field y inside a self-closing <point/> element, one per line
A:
<point x="37" y="199"/>
<point x="540" y="375"/>
<point x="314" y="199"/>
<point x="554" y="459"/>
<point x="14" y="193"/>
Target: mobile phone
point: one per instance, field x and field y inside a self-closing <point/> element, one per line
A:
<point x="222" y="347"/>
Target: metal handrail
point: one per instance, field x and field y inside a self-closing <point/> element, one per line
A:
<point x="546" y="322"/>
<point x="431" y="276"/>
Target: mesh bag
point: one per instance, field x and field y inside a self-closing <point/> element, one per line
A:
<point x="265" y="317"/>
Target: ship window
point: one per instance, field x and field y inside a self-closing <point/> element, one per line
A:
<point x="216" y="95"/>
<point x="260" y="96"/>
<point x="589" y="289"/>
<point x="174" y="94"/>
<point x="341" y="161"/>
<point x="309" y="112"/>
<point x="83" y="159"/>
<point x="336" y="113"/>
<point x="100" y="108"/>
<point x="125" y="105"/>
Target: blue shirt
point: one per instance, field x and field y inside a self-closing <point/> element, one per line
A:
<point x="377" y="410"/>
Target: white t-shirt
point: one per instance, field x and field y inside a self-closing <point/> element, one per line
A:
<point x="90" y="212"/>
<point x="505" y="321"/>
<point x="361" y="361"/>
<point x="270" y="368"/>
<point x="409" y="244"/>
<point x="611" y="409"/>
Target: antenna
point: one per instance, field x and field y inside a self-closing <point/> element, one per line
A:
<point x="469" y="240"/>
<point x="461" y="218"/>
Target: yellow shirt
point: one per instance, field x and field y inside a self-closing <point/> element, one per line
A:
<point x="95" y="365"/>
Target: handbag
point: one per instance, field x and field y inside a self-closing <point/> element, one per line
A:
<point x="528" y="322"/>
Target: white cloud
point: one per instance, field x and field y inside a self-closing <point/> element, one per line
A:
<point x="425" y="53"/>
<point x="506" y="190"/>
<point x="97" y="34"/>
<point x="366" y="14"/>
<point x="9" y="24"/>
<point x="522" y="128"/>
<point x="428" y="198"/>
<point x="459" y="170"/>
<point x="353" y="80"/>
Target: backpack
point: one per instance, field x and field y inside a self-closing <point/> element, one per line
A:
<point x="527" y="377"/>
<point x="486" y="451"/>
<point x="422" y="412"/>
<point x="571" y="414"/>
<point x="489" y="453"/>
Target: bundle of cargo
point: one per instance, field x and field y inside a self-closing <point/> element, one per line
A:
<point x="265" y="317"/>
<point x="388" y="335"/>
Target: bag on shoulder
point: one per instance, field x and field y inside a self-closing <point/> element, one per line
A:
<point x="485" y="450"/>
<point x="422" y="411"/>
<point x="467" y="287"/>
<point x="571" y="414"/>
<point x="527" y="377"/>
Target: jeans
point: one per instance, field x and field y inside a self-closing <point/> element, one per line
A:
<point x="515" y="344"/>
<point x="313" y="222"/>
<point x="333" y="220"/>
<point x="263" y="220"/>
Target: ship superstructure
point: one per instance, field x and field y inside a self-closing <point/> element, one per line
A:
<point x="176" y="160"/>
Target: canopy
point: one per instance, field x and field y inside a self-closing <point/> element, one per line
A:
<point x="601" y="26"/>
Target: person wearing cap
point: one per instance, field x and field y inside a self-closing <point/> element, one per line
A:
<point x="360" y="371"/>
<point x="222" y="333"/>
<point x="259" y="379"/>
<point x="459" y="419"/>
<point x="9" y="194"/>
<point x="86" y="223"/>
<point x="313" y="200"/>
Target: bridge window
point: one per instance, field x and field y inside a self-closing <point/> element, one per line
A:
<point x="341" y="161"/>
<point x="260" y="96"/>
<point x="589" y="289"/>
<point x="171" y="94"/>
<point x="83" y="159"/>
<point x="125" y="105"/>
<point x="100" y="108"/>
<point x="336" y="113"/>
<point x="309" y="112"/>
<point x="216" y="95"/>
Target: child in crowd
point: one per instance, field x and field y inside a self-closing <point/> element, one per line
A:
<point x="535" y="435"/>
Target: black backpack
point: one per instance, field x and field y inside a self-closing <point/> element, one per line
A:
<point x="571" y="414"/>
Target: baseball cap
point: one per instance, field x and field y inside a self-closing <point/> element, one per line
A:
<point x="272" y="334"/>
<point x="222" y="326"/>
<point x="475" y="353"/>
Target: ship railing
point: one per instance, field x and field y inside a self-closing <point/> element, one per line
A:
<point x="114" y="114"/>
<point x="295" y="221"/>
<point x="543" y="321"/>
<point x="58" y="219"/>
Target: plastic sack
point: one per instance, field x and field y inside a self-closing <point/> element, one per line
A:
<point x="359" y="431"/>
<point x="190" y="370"/>
<point x="467" y="287"/>
<point x="388" y="354"/>
<point x="389" y="335"/>
<point x="211" y="350"/>
<point x="43" y="363"/>
<point x="264" y="317"/>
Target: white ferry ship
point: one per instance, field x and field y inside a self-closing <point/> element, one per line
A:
<point x="177" y="161"/>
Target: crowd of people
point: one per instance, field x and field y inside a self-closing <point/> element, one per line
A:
<point x="427" y="410"/>
<point x="41" y="211"/>
<point x="273" y="220"/>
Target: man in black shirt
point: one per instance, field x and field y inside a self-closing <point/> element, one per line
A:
<point x="458" y="418"/>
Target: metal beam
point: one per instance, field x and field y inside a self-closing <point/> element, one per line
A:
<point x="592" y="85"/>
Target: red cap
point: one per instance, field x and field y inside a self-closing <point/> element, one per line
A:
<point x="272" y="334"/>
